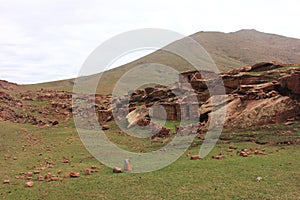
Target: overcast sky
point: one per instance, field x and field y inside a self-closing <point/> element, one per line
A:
<point x="46" y="40"/>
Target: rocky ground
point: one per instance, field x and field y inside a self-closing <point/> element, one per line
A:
<point x="259" y="143"/>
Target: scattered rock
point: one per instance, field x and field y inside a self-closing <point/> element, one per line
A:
<point x="244" y="153"/>
<point x="105" y="127"/>
<point x="288" y="123"/>
<point x="67" y="175"/>
<point x="74" y="174"/>
<point x="29" y="184"/>
<point x="55" y="122"/>
<point x="48" y="176"/>
<point x="117" y="170"/>
<point x="87" y="172"/>
<point x="195" y="157"/>
<point x="218" y="156"/>
<point x="29" y="174"/>
<point x="54" y="178"/>
<point x="258" y="152"/>
<point x="6" y="181"/>
<point x="40" y="178"/>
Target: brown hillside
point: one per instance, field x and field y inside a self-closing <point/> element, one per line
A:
<point x="228" y="50"/>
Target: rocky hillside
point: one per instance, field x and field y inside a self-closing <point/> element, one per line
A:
<point x="261" y="94"/>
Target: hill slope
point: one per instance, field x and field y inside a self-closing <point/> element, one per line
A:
<point x="228" y="50"/>
<point x="248" y="47"/>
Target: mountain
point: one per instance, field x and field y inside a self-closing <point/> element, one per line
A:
<point x="247" y="47"/>
<point x="228" y="50"/>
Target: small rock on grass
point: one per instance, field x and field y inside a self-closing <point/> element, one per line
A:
<point x="74" y="174"/>
<point x="40" y="178"/>
<point x="218" y="156"/>
<point x="221" y="155"/>
<point x="117" y="170"/>
<point x="29" y="184"/>
<point x="29" y="174"/>
<point x="195" y="157"/>
<point x="67" y="175"/>
<point x="87" y="172"/>
<point x="48" y="176"/>
<point x="6" y="181"/>
<point x="54" y="178"/>
<point x="257" y="152"/>
<point x="244" y="153"/>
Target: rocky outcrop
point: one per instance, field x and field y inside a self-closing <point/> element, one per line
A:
<point x="264" y="111"/>
<point x="254" y="95"/>
<point x="290" y="84"/>
<point x="260" y="94"/>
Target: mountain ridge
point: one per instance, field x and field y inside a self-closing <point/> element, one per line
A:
<point x="228" y="50"/>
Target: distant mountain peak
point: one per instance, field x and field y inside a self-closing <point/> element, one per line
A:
<point x="248" y="30"/>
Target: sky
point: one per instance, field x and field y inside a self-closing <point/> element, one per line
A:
<point x="47" y="40"/>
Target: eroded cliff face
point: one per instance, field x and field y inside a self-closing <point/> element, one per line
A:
<point x="253" y="95"/>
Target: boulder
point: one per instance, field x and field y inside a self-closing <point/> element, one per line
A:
<point x="263" y="111"/>
<point x="137" y="116"/>
<point x="290" y="84"/>
<point x="117" y="170"/>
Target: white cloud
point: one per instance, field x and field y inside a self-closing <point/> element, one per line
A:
<point x="40" y="39"/>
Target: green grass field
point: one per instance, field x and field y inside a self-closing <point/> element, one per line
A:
<point x="233" y="177"/>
